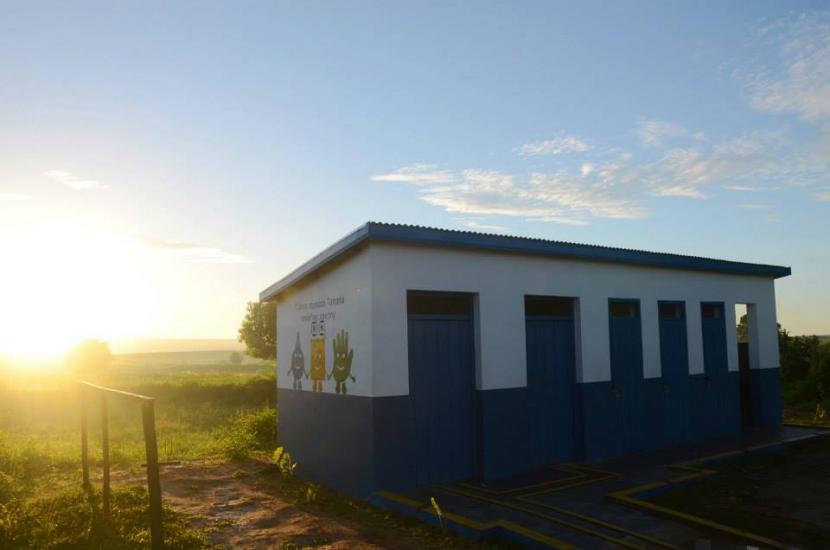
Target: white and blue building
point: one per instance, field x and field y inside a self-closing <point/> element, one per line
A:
<point x="409" y="356"/>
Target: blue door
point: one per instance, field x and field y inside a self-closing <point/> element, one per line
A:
<point x="442" y="387"/>
<point x="718" y="399"/>
<point x="626" y="376"/>
<point x="549" y="328"/>
<point x="674" y="364"/>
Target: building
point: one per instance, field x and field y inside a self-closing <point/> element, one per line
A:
<point x="410" y="356"/>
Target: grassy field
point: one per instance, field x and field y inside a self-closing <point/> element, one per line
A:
<point x="211" y="416"/>
<point x="210" y="411"/>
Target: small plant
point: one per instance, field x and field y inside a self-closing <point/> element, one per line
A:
<point x="282" y="459"/>
<point x="820" y="415"/>
<point x="311" y="492"/>
<point x="437" y="510"/>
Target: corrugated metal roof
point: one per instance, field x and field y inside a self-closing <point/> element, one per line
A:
<point x="419" y="235"/>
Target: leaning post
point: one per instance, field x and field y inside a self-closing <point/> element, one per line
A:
<point x="105" y="445"/>
<point x="153" y="481"/>
<point x="84" y="439"/>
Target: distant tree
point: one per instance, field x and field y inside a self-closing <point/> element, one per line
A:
<point x="743" y="330"/>
<point x="89" y="357"/>
<point x="235" y="358"/>
<point x="259" y="330"/>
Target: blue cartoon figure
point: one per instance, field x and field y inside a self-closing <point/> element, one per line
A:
<point x="297" y="368"/>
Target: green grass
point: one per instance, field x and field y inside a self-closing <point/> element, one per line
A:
<point x="201" y="413"/>
<point x="205" y="412"/>
<point x="193" y="414"/>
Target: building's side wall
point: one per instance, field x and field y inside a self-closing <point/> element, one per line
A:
<point x="329" y="433"/>
<point x="500" y="283"/>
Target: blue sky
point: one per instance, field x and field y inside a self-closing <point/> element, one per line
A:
<point x="191" y="154"/>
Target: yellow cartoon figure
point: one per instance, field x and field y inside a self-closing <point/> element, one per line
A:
<point x="318" y="355"/>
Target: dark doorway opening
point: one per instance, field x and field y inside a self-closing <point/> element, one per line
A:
<point x="742" y="316"/>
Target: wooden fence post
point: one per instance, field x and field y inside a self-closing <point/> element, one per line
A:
<point x="153" y="481"/>
<point x="84" y="439"/>
<point x="105" y="445"/>
<point x="151" y="447"/>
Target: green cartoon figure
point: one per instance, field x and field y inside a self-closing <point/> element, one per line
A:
<point x="342" y="368"/>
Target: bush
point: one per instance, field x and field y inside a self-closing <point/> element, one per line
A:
<point x="250" y="431"/>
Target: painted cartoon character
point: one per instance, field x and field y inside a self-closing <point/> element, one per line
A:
<point x="342" y="368"/>
<point x="318" y="355"/>
<point x="297" y="368"/>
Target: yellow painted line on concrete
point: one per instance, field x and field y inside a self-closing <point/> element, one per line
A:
<point x="523" y="488"/>
<point x="585" y="467"/>
<point x="569" y="486"/>
<point x="599" y="522"/>
<point x="581" y="476"/>
<point x="620" y="496"/>
<point x="547" y="517"/>
<point x="479" y="525"/>
<point x="697" y="472"/>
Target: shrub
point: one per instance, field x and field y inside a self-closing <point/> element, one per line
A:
<point x="250" y="431"/>
<point x="283" y="460"/>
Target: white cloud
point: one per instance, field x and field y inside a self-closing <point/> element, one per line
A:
<point x="557" y="146"/>
<point x="823" y="196"/>
<point x="801" y="85"/>
<point x="74" y="182"/>
<point x="478" y="226"/>
<point x="13" y="197"/>
<point x="558" y="197"/>
<point x="586" y="169"/>
<point x="416" y="174"/>
<point x="743" y="188"/>
<point x="742" y="160"/>
<point x="654" y="132"/>
<point x="209" y="254"/>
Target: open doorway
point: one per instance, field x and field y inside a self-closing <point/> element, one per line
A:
<point x="744" y="317"/>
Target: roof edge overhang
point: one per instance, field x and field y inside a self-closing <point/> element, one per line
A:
<point x="427" y="236"/>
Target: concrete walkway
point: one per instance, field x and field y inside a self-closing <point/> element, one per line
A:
<point x="602" y="505"/>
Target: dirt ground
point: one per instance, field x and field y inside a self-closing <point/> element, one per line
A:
<point x="243" y="505"/>
<point x="784" y="496"/>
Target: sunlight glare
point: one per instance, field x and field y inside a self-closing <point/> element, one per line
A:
<point x="64" y="283"/>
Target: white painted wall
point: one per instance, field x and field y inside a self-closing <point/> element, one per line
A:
<point x="297" y="308"/>
<point x="501" y="281"/>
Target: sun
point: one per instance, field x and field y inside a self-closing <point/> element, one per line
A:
<point x="64" y="283"/>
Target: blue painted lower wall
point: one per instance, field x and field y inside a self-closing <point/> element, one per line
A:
<point x="358" y="445"/>
<point x="330" y="436"/>
<point x="614" y="422"/>
<point x="504" y="432"/>
<point x="765" y="394"/>
<point x="394" y="421"/>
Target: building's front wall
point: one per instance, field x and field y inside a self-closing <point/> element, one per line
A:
<point x="362" y="440"/>
<point x="500" y="283"/>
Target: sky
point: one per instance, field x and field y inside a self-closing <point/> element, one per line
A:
<point x="162" y="163"/>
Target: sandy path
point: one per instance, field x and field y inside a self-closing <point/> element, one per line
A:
<point x="235" y="506"/>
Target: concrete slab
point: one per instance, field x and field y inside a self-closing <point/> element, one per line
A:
<point x="595" y="505"/>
